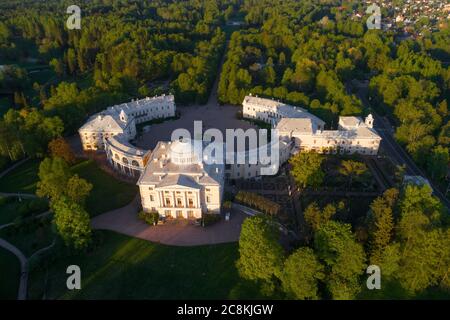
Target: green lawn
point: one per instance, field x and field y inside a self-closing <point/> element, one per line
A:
<point x="22" y="179"/>
<point x="108" y="193"/>
<point x="32" y="236"/>
<point x="128" y="268"/>
<point x="12" y="209"/>
<point x="9" y="275"/>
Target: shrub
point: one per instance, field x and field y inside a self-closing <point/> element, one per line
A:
<point x="149" y="217"/>
<point x="258" y="202"/>
<point x="3" y="201"/>
<point x="210" y="219"/>
<point x="227" y="205"/>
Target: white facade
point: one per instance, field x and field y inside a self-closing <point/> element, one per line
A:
<point x="177" y="182"/>
<point x="353" y="135"/>
<point x="174" y="178"/>
<point x="122" y="119"/>
<point x="272" y="111"/>
<point x="112" y="129"/>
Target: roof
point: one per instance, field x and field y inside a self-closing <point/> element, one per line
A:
<point x="285" y="110"/>
<point x="295" y="124"/>
<point x="109" y="119"/>
<point x="178" y="180"/>
<point x="104" y="122"/>
<point x="137" y="104"/>
<point x="161" y="164"/>
<point x="351" y="121"/>
<point x="120" y="142"/>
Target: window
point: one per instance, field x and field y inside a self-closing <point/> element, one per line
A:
<point x="190" y="203"/>
<point x="150" y="188"/>
<point x="179" y="214"/>
<point x="168" y="204"/>
<point x="167" y="213"/>
<point x="152" y="198"/>
<point x="208" y="199"/>
<point x="190" y="214"/>
<point x="208" y="190"/>
<point x="179" y="202"/>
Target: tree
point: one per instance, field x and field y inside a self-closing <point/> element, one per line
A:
<point x="54" y="175"/>
<point x="301" y="274"/>
<point x="71" y="60"/>
<point x="382" y="224"/>
<point x="78" y="189"/>
<point x="438" y="163"/>
<point x="72" y="223"/>
<point x="424" y="242"/>
<point x="60" y="148"/>
<point x="344" y="258"/>
<point x="260" y="254"/>
<point x="315" y="217"/>
<point x="306" y="169"/>
<point x="352" y="169"/>
<point x="57" y="66"/>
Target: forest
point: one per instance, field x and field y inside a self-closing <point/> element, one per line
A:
<point x="316" y="54"/>
<point x="124" y="50"/>
<point x="323" y="58"/>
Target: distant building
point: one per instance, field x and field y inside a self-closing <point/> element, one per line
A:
<point x="353" y="135"/>
<point x="272" y="111"/>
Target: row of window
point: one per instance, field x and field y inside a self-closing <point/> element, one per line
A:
<point x="145" y="112"/>
<point x="125" y="161"/>
<point x="179" y="213"/>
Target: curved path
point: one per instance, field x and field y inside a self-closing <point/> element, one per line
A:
<point x="8" y="170"/>
<point x="176" y="233"/>
<point x="22" y="294"/>
<point x="23" y="195"/>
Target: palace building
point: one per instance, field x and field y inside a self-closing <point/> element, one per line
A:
<point x="175" y="180"/>
<point x="307" y="131"/>
<point x="178" y="183"/>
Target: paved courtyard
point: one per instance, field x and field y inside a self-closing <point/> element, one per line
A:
<point x="211" y="115"/>
<point x="176" y="233"/>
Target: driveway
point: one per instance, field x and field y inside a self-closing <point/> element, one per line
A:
<point x="175" y="233"/>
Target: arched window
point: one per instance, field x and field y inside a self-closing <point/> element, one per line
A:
<point x="135" y="163"/>
<point x="125" y="160"/>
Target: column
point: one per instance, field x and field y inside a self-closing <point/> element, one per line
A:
<point x="198" y="199"/>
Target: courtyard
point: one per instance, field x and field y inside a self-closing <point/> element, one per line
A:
<point x="212" y="116"/>
<point x="177" y="232"/>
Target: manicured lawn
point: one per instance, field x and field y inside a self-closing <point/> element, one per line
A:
<point x="9" y="275"/>
<point x="32" y="236"/>
<point x="22" y="179"/>
<point x="15" y="209"/>
<point x="108" y="193"/>
<point x="128" y="268"/>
